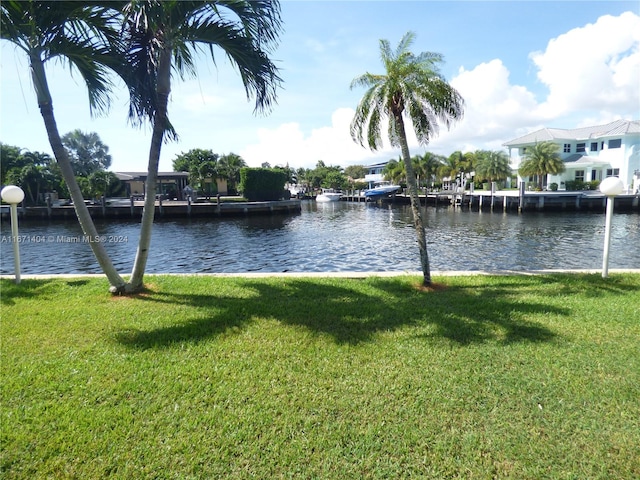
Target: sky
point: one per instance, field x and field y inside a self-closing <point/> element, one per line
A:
<point x="520" y="66"/>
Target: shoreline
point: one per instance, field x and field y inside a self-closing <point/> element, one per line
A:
<point x="346" y="274"/>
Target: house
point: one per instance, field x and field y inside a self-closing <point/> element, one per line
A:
<point x="170" y="184"/>
<point x="374" y="172"/>
<point x="589" y="153"/>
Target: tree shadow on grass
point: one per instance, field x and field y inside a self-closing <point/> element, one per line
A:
<point x="590" y="285"/>
<point x="351" y="315"/>
<point x="10" y="292"/>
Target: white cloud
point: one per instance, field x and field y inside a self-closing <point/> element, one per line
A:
<point x="592" y="75"/>
<point x="493" y="109"/>
<point x="288" y="144"/>
<point x="593" y="67"/>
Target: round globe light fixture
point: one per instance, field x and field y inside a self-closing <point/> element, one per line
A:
<point x="13" y="195"/>
<point x="611" y="187"/>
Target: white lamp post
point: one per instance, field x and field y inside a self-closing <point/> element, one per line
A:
<point x="13" y="196"/>
<point x="611" y="187"/>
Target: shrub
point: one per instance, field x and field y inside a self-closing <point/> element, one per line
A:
<point x="262" y="184"/>
<point x="592" y="185"/>
<point x="574" y="185"/>
<point x="553" y="187"/>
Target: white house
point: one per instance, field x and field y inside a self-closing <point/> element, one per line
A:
<point x="374" y="172"/>
<point x="589" y="153"/>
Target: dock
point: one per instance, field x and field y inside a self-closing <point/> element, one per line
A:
<point x="514" y="200"/>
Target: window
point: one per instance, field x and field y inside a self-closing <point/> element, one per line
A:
<point x="613" y="172"/>
<point x="594" y="146"/>
<point x="580" y="175"/>
<point x="523" y="150"/>
<point x="615" y="143"/>
<point x="567" y="148"/>
<point x="581" y="147"/>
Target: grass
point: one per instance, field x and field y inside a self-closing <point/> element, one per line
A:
<point x="523" y="377"/>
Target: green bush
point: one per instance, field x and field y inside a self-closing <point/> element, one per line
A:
<point x="592" y="185"/>
<point x="553" y="187"/>
<point x="262" y="184"/>
<point x="574" y="185"/>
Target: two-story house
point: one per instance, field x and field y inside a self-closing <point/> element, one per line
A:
<point x="589" y="153"/>
<point x="374" y="172"/>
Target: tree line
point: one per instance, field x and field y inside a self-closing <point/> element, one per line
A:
<point x="38" y="174"/>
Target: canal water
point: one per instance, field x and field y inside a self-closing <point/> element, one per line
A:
<point x="335" y="237"/>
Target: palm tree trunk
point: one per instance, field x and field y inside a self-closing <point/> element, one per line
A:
<point x="159" y="126"/>
<point x="82" y="212"/>
<point x="415" y="203"/>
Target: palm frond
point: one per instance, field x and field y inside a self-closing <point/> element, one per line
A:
<point x="80" y="35"/>
<point x="412" y="87"/>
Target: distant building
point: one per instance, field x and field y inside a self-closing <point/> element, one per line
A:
<point x="170" y="184"/>
<point x="589" y="153"/>
<point x="374" y="172"/>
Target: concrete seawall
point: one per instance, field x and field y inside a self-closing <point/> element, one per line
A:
<point x="165" y="209"/>
<point x="509" y="200"/>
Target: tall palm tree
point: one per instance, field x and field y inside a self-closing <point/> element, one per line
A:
<point x="82" y="36"/>
<point x="540" y="160"/>
<point x="411" y="87"/>
<point x="163" y="38"/>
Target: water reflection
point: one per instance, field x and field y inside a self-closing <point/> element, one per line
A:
<point x="340" y="236"/>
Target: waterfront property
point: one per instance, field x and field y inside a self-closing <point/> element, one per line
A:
<point x="171" y="185"/>
<point x="122" y="208"/>
<point x="512" y="200"/>
<point x="589" y="153"/>
<point x="374" y="173"/>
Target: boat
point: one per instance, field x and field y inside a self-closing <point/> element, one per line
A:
<point x="328" y="195"/>
<point x="381" y="189"/>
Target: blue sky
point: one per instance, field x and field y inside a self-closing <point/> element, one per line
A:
<point x="519" y="65"/>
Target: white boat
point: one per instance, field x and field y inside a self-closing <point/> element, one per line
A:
<point x="381" y="189"/>
<point x="328" y="195"/>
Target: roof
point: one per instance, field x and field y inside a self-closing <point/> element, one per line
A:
<point x="578" y="158"/>
<point x="143" y="175"/>
<point x="377" y="165"/>
<point x="617" y="128"/>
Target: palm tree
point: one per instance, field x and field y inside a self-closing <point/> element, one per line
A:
<point x="230" y="166"/>
<point x="540" y="160"/>
<point x="394" y="171"/>
<point x="164" y="37"/>
<point x="429" y="165"/>
<point x="426" y="167"/>
<point x="412" y="86"/>
<point x="206" y="170"/>
<point x="492" y="165"/>
<point x="451" y="166"/>
<point x="87" y="152"/>
<point x="83" y="37"/>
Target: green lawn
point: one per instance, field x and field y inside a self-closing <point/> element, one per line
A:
<point x="523" y="377"/>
